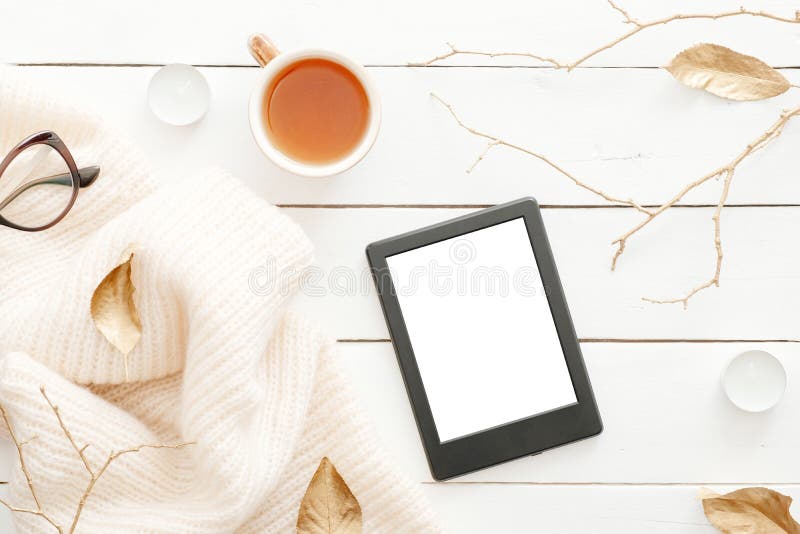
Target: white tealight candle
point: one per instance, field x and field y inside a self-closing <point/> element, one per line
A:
<point x="754" y="381"/>
<point x="178" y="94"/>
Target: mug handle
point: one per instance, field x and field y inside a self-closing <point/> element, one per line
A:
<point x="262" y="49"/>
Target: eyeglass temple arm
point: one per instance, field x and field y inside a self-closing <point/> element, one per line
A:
<point x="87" y="176"/>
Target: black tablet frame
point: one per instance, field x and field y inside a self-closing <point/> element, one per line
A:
<point x="516" y="439"/>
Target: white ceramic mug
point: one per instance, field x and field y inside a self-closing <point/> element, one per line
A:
<point x="274" y="62"/>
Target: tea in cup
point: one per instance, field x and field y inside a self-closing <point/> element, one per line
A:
<point x="313" y="112"/>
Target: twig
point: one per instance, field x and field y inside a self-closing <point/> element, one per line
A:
<point x="714" y="281"/>
<point x="638" y="27"/>
<point x="461" y="52"/>
<point x="31" y="511"/>
<point x="26" y="441"/>
<point x="496" y="141"/>
<point x="111" y="457"/>
<point x="79" y="450"/>
<point x="728" y="171"/>
<point x="18" y="444"/>
<point x="628" y="19"/>
<point x="483" y="154"/>
<point x="622" y="241"/>
<point x="94" y="475"/>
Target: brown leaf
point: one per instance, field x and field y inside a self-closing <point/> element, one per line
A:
<point x="726" y="73"/>
<point x="751" y="511"/>
<point x="113" y="310"/>
<point x="328" y="506"/>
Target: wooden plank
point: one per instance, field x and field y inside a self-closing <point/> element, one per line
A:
<point x="481" y="508"/>
<point x="666" y="420"/>
<point x="478" y="509"/>
<point x="633" y="132"/>
<point x="158" y="32"/>
<point x="759" y="278"/>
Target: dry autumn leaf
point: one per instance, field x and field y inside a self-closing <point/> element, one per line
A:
<point x="726" y="73"/>
<point x="113" y="310"/>
<point x="751" y="511"/>
<point x="328" y="507"/>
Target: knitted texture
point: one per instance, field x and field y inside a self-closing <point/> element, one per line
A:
<point x="257" y="388"/>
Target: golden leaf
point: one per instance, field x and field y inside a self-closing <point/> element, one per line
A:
<point x="726" y="73"/>
<point x="328" y="506"/>
<point x="113" y="310"/>
<point x="751" y="511"/>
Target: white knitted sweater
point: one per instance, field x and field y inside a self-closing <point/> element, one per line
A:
<point x="257" y="388"/>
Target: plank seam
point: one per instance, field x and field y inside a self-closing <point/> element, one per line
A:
<point x="606" y="484"/>
<point x="368" y="65"/>
<point x="543" y="206"/>
<point x="653" y="341"/>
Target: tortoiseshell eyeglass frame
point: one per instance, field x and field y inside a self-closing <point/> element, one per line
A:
<point x="76" y="178"/>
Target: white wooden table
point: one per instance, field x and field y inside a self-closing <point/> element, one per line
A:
<point x="617" y="122"/>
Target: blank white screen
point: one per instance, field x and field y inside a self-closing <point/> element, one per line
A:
<point x="487" y="356"/>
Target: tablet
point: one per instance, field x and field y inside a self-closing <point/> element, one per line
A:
<point x="484" y="339"/>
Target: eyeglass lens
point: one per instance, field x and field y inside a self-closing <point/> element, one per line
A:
<point x="36" y="187"/>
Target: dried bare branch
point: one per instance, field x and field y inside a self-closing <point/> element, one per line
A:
<point x="638" y="26"/>
<point x="496" y="141"/>
<point x="622" y="241"/>
<point x="111" y="457"/>
<point x="26" y="441"/>
<point x="39" y="513"/>
<point x="94" y="475"/>
<point x="728" y="171"/>
<point x="79" y="450"/>
<point x="19" y="444"/>
<point x="462" y="52"/>
<point x="482" y="155"/>
<point x="624" y="13"/>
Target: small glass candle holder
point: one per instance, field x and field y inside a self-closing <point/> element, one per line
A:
<point x="754" y="381"/>
<point x="178" y="94"/>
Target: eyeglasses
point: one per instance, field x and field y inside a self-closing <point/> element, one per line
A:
<point x="39" y="183"/>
